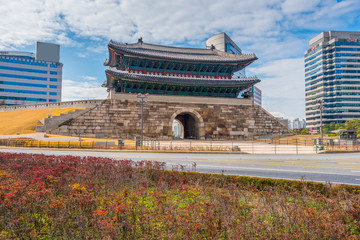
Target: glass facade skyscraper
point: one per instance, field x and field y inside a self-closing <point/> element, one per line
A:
<point x="332" y="75"/>
<point x="28" y="78"/>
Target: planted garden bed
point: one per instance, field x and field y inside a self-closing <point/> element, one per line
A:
<point x="56" y="197"/>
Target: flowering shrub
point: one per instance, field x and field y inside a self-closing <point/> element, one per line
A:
<point x="56" y="197"/>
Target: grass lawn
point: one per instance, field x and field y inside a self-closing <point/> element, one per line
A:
<point x="25" y="121"/>
<point x="66" y="197"/>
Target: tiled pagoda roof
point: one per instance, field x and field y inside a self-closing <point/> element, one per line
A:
<point x="181" y="54"/>
<point x="183" y="80"/>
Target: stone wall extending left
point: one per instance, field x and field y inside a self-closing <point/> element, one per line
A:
<point x="70" y="104"/>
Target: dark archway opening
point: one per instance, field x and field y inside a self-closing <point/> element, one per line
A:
<point x="190" y="125"/>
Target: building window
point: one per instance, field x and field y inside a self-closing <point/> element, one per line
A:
<point x="22" y="77"/>
<point x="22" y="91"/>
<point x="22" y="69"/>
<point x="23" y="84"/>
<point x="23" y="61"/>
<point x="23" y="99"/>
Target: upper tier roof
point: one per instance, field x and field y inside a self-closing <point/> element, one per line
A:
<point x="142" y="49"/>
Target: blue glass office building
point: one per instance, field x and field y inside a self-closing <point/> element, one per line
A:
<point x="28" y="78"/>
<point x="332" y="75"/>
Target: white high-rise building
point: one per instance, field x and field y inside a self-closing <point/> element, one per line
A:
<point x="257" y="96"/>
<point x="28" y="78"/>
<point x="296" y="124"/>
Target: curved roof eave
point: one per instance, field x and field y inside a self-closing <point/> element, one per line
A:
<point x="188" y="81"/>
<point x="146" y="50"/>
<point x="163" y="48"/>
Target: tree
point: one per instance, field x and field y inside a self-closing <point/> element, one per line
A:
<point x="340" y="126"/>
<point x="353" y="124"/>
<point x="332" y="126"/>
<point x="326" y="128"/>
<point x="296" y="131"/>
<point x="304" y="131"/>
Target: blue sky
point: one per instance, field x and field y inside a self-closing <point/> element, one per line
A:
<point x="277" y="31"/>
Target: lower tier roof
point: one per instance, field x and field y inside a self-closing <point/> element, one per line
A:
<point x="182" y="80"/>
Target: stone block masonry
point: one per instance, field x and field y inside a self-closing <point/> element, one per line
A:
<point x="121" y="118"/>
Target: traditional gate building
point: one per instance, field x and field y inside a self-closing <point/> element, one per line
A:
<point x="154" y="69"/>
<point x="193" y="88"/>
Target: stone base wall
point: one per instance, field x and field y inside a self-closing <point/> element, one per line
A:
<point x="121" y="118"/>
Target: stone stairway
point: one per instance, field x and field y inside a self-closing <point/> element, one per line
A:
<point x="53" y="121"/>
<point x="261" y="113"/>
<point x="95" y="122"/>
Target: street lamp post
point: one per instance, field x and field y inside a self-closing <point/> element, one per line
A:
<point x="141" y="99"/>
<point x="321" y="106"/>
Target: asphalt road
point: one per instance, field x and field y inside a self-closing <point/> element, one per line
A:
<point x="333" y="168"/>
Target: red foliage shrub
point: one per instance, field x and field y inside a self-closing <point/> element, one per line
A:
<point x="71" y="197"/>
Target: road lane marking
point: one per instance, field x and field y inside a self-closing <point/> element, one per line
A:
<point x="269" y="169"/>
<point x="188" y="159"/>
<point x="339" y="183"/>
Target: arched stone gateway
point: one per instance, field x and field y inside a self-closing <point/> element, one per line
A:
<point x="192" y="123"/>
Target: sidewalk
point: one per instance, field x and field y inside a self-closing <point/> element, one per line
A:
<point x="248" y="147"/>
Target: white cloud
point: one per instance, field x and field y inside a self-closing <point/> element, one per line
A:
<point x="26" y="21"/>
<point x="273" y="29"/>
<point x="85" y="52"/>
<point x="282" y="115"/>
<point x="282" y="85"/>
<point x="73" y="90"/>
<point x="82" y="55"/>
<point x="299" y="6"/>
<point x="23" y="22"/>
<point x="89" y="78"/>
<point x="253" y="23"/>
<point x="328" y="15"/>
<point x="284" y="77"/>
